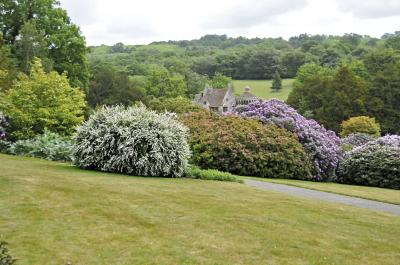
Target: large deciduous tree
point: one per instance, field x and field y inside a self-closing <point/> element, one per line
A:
<point x="384" y="98"/>
<point x="41" y="28"/>
<point x="41" y="101"/>
<point x="331" y="99"/>
<point x="109" y="87"/>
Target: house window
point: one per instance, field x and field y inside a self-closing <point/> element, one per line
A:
<point x="225" y="109"/>
<point x="215" y="109"/>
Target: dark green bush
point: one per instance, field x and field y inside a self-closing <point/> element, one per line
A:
<point x="211" y="174"/>
<point x="5" y="256"/>
<point x="246" y="147"/>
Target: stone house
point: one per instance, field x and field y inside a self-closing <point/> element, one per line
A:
<point x="222" y="99"/>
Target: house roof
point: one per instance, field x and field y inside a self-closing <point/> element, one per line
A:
<point x="215" y="97"/>
<point x="247" y="95"/>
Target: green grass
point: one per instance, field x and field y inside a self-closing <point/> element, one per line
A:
<point x="371" y="193"/>
<point x="262" y="88"/>
<point x="52" y="213"/>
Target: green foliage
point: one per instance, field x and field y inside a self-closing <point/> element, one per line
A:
<point x="331" y="99"/>
<point x="160" y="83"/>
<point x="108" y="87"/>
<point x="309" y="70"/>
<point x="5" y="256"/>
<point x="360" y="124"/>
<point x="375" y="60"/>
<point x="220" y="81"/>
<point x="50" y="146"/>
<point x="211" y="174"/>
<point x="384" y="97"/>
<point x="134" y="141"/>
<point x="29" y="45"/>
<point x="179" y="105"/>
<point x="41" y="28"/>
<point x="40" y="101"/>
<point x="246" y="147"/>
<point x="276" y="82"/>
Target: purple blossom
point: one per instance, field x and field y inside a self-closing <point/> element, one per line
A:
<point x="322" y="146"/>
<point x="355" y="140"/>
<point x="3" y="125"/>
<point x="388" y="140"/>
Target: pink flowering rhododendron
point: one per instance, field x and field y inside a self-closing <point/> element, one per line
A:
<point x="321" y="145"/>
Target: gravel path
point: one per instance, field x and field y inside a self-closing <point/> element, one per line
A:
<point x="326" y="196"/>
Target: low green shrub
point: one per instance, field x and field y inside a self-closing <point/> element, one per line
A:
<point x="246" y="147"/>
<point x="50" y="146"/>
<point x="134" y="141"/>
<point x="375" y="163"/>
<point x="5" y="256"/>
<point x="179" y="105"/>
<point x="360" y="124"/>
<point x="211" y="174"/>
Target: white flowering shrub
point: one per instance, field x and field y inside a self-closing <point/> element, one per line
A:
<point x="134" y="141"/>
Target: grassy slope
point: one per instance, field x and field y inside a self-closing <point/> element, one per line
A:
<point x="51" y="213"/>
<point x="262" y="88"/>
<point x="372" y="193"/>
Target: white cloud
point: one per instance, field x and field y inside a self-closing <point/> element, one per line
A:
<point x="371" y="8"/>
<point x="252" y="13"/>
<point x="138" y="21"/>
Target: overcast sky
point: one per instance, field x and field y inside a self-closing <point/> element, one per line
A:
<point x="145" y="21"/>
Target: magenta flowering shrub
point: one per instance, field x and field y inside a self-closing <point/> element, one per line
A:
<point x="321" y="145"/>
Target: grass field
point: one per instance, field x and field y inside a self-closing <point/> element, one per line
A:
<point x="52" y="213"/>
<point x="372" y="193"/>
<point x="262" y="88"/>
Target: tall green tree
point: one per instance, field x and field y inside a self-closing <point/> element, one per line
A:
<point x="220" y="81"/>
<point x="384" y="98"/>
<point x="109" y="87"/>
<point x="65" y="44"/>
<point x="331" y="99"/>
<point x="161" y="83"/>
<point x="31" y="44"/>
<point x="276" y="82"/>
<point x="41" y="101"/>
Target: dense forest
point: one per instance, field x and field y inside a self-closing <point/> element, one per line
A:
<point x="359" y="72"/>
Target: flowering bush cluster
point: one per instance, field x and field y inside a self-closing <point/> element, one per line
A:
<point x="355" y="140"/>
<point x="321" y="145"/>
<point x="50" y="146"/>
<point x="246" y="147"/>
<point x="3" y="125"/>
<point x="135" y="141"/>
<point x="376" y="163"/>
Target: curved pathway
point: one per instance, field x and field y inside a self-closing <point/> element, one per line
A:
<point x="326" y="196"/>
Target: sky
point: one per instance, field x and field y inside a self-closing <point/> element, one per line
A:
<point x="145" y="21"/>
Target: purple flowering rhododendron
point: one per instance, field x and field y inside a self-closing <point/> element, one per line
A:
<point x="3" y="125"/>
<point x="322" y="146"/>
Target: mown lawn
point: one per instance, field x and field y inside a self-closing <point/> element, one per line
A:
<point x="371" y="193"/>
<point x="262" y="88"/>
<point x="52" y="213"/>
